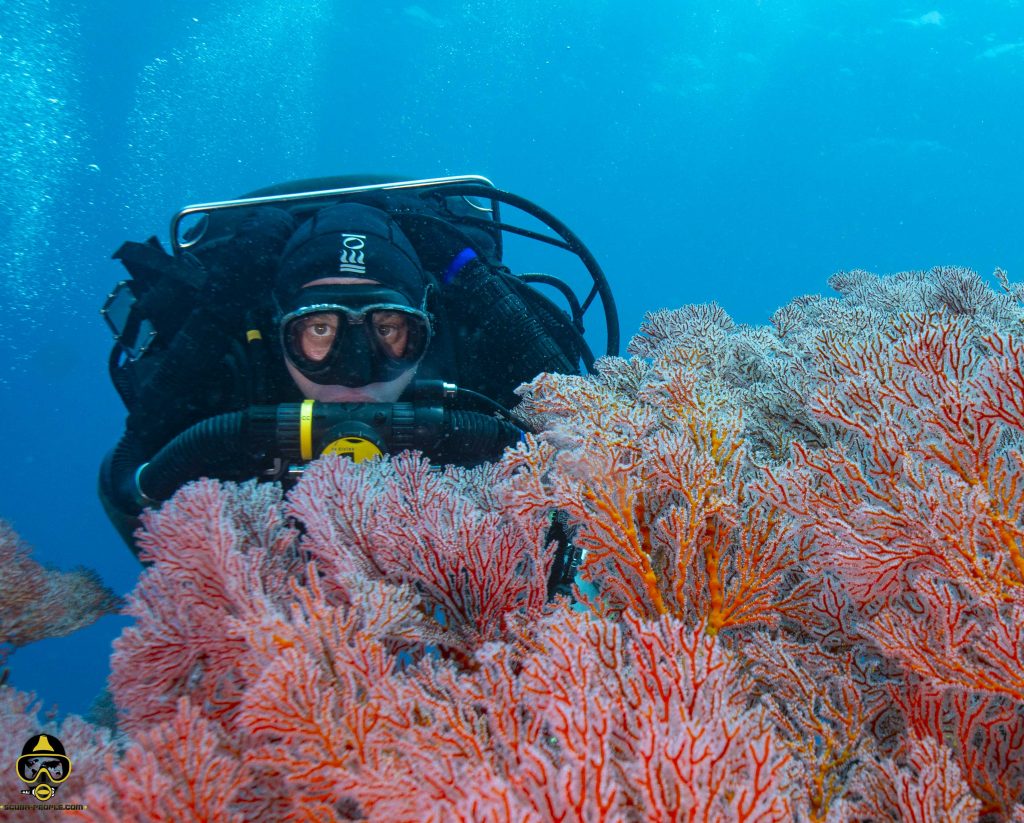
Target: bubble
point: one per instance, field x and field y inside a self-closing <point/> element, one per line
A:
<point x="232" y="95"/>
<point x="37" y="155"/>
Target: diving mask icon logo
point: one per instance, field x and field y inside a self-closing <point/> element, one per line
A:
<point x="43" y="766"/>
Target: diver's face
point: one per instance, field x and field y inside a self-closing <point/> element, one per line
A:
<point x="391" y="332"/>
<point x="317" y="332"/>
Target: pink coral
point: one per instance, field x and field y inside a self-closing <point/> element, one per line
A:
<point x="403" y="522"/>
<point x="543" y="712"/>
<point x="221" y="557"/>
<point x="36" y="602"/>
<point x="803" y="582"/>
<point x="927" y="787"/>
<point x="177" y="770"/>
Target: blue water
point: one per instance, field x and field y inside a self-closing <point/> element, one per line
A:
<point x="738" y="151"/>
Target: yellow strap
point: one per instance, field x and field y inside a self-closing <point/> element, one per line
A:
<point x="306" y="430"/>
<point x="253" y="334"/>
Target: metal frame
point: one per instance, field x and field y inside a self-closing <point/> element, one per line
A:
<point x="467" y="187"/>
<point x="145" y="334"/>
<point x="222" y="205"/>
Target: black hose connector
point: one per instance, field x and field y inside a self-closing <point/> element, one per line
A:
<point x="471" y="433"/>
<point x="240" y="444"/>
<point x="210" y="446"/>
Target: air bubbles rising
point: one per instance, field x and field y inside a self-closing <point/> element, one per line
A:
<point x="38" y="157"/>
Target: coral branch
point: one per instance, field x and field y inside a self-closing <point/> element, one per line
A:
<point x="38" y="602"/>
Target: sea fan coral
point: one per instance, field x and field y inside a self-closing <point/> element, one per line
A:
<point x="37" y="602"/>
<point x="800" y="597"/>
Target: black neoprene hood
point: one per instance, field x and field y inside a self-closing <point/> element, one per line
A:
<point x="354" y="241"/>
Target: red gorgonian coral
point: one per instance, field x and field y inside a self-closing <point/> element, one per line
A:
<point x="800" y="599"/>
<point x="37" y="602"/>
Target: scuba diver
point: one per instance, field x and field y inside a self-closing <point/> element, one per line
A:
<point x="347" y="316"/>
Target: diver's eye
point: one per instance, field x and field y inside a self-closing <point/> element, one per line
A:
<point x="315" y="335"/>
<point x="392" y="331"/>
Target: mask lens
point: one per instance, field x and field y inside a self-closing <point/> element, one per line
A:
<point x="399" y="336"/>
<point x="31" y="766"/>
<point x="311" y="336"/>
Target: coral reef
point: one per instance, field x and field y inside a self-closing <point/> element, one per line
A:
<point x="37" y="602"/>
<point x="801" y="597"/>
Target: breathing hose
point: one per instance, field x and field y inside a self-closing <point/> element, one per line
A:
<point x="238" y="443"/>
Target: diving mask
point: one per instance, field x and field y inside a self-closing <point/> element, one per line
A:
<point x="371" y="337"/>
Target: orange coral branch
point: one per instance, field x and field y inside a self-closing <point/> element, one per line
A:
<point x="614" y="513"/>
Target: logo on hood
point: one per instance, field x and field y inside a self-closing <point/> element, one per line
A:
<point x="352" y="260"/>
